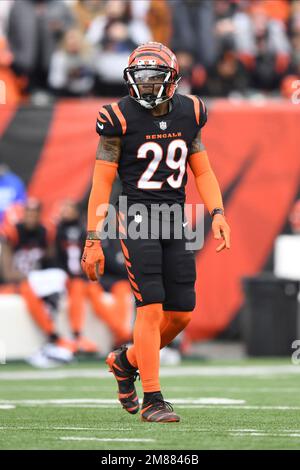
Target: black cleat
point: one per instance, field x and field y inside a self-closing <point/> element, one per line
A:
<point x="127" y="393"/>
<point x="157" y="410"/>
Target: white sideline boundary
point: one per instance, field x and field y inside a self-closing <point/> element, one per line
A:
<point x="189" y="371"/>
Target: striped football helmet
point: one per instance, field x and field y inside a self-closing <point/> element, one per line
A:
<point x="152" y="74"/>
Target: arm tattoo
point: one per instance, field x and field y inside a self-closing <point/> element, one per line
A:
<point x="109" y="149"/>
<point x="197" y="145"/>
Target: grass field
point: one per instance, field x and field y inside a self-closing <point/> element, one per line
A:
<point x="247" y="404"/>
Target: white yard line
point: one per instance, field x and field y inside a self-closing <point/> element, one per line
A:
<point x="264" y="434"/>
<point x="232" y="432"/>
<point x="111" y="401"/>
<point x="63" y="428"/>
<point x="107" y="387"/>
<point x="7" y="407"/>
<point x="189" y="371"/>
<point x="223" y="403"/>
<point x="105" y="439"/>
<point x="244" y="407"/>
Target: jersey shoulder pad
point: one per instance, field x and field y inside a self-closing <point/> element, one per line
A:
<point x="111" y="121"/>
<point x="200" y="111"/>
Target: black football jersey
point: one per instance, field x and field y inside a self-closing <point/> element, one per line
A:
<point x="29" y="248"/>
<point x="70" y="238"/>
<point x="154" y="152"/>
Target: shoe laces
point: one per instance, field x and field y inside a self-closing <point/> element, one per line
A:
<point x="162" y="404"/>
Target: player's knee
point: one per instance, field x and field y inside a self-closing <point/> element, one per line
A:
<point x="151" y="314"/>
<point x="180" y="320"/>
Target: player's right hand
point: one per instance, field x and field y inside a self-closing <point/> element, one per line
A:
<point x="92" y="261"/>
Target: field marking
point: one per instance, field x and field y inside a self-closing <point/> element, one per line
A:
<point x="63" y="428"/>
<point x="189" y="371"/>
<point x="105" y="439"/>
<point x="244" y="407"/>
<point x="264" y="434"/>
<point x="107" y="388"/>
<point x="7" y="407"/>
<point x="112" y="401"/>
<point x="182" y="403"/>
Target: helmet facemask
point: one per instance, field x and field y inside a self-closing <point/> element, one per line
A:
<point x="151" y="85"/>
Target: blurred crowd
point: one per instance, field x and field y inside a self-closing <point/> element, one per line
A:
<point x="41" y="262"/>
<point x="79" y="48"/>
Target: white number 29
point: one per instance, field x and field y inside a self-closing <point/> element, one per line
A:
<point x="145" y="181"/>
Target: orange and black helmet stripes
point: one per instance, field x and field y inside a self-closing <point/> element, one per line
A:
<point x="163" y="79"/>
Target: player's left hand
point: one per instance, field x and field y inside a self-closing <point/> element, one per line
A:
<point x="220" y="230"/>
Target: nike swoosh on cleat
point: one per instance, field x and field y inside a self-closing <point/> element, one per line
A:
<point x="101" y="126"/>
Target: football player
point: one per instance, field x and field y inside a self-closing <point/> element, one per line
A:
<point x="26" y="252"/>
<point x="149" y="137"/>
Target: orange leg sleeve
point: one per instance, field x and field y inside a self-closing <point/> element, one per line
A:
<point x="172" y="323"/>
<point x="77" y="294"/>
<point x="177" y="322"/>
<point x="37" y="309"/>
<point x="146" y="336"/>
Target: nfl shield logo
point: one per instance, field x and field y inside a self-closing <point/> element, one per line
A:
<point x="163" y="125"/>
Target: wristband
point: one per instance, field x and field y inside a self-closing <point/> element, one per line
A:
<point x="217" y="210"/>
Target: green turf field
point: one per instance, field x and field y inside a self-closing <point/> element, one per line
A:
<point x="223" y="405"/>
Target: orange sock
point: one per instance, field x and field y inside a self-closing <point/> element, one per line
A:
<point x="37" y="309"/>
<point x="146" y="337"/>
<point x="76" y="297"/>
<point x="172" y="323"/>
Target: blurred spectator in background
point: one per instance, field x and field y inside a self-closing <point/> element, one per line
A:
<point x="72" y="66"/>
<point x="193" y="29"/>
<point x="159" y="19"/>
<point x="26" y="262"/>
<point x="260" y="37"/>
<point x="5" y="7"/>
<point x="271" y="49"/>
<point x="69" y="243"/>
<point x="12" y="190"/>
<point x="14" y="85"/>
<point x="34" y="28"/>
<point x="114" y="39"/>
<point x="294" y="30"/>
<point x="86" y="11"/>
<point x="228" y="76"/>
<point x="111" y="300"/>
<point x="132" y="13"/>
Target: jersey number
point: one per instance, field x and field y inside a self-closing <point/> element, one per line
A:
<point x="145" y="181"/>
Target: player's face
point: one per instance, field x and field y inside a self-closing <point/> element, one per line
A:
<point x="31" y="218"/>
<point x="149" y="81"/>
<point x="69" y="212"/>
